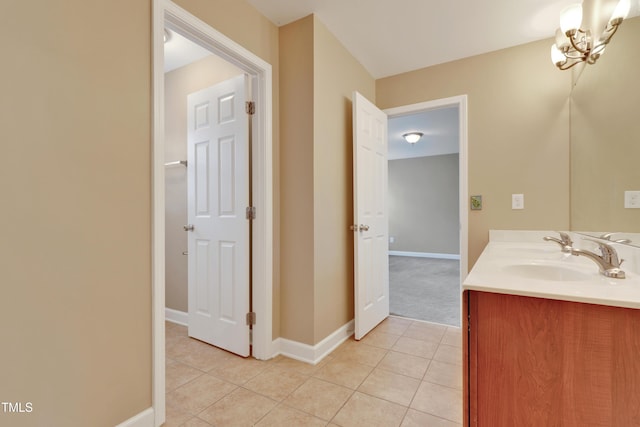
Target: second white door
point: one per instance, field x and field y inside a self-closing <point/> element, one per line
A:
<point x="371" y="222"/>
<point x="219" y="234"/>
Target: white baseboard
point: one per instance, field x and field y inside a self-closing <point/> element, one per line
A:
<point x="143" y="419"/>
<point x="424" y="255"/>
<point x="175" y="316"/>
<point x="312" y="353"/>
<point x="293" y="349"/>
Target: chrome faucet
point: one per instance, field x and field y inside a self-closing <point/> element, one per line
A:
<point x="608" y="236"/>
<point x="565" y="242"/>
<point x="608" y="262"/>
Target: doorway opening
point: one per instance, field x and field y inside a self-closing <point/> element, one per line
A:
<point x="428" y="210"/>
<point x="206" y="149"/>
<point x="168" y="16"/>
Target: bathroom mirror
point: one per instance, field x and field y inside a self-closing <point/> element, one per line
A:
<point x="605" y="138"/>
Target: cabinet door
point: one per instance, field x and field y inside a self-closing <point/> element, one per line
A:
<point x="540" y="362"/>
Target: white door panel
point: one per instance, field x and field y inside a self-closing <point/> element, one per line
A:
<point x="218" y="194"/>
<point x="370" y="217"/>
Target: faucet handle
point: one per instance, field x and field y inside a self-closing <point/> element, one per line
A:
<point x="565" y="242"/>
<point x="609" y="253"/>
<point x="565" y="238"/>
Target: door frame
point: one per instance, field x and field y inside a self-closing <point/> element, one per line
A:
<point x="167" y="13"/>
<point x="463" y="187"/>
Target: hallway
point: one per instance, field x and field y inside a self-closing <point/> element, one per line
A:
<point x="404" y="373"/>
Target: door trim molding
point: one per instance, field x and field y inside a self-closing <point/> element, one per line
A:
<point x="167" y="13"/>
<point x="463" y="165"/>
<point x="143" y="419"/>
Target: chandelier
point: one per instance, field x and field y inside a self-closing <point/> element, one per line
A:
<point x="575" y="45"/>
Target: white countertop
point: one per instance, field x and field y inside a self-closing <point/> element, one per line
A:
<point x="521" y="264"/>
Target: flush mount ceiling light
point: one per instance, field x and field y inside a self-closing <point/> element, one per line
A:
<point x="575" y="45"/>
<point x="412" y="137"/>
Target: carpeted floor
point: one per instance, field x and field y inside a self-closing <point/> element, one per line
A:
<point x="425" y="289"/>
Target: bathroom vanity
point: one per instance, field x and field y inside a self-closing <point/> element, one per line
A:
<point x="551" y="342"/>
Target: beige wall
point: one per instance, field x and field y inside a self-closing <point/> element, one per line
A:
<point x="604" y="137"/>
<point x="75" y="120"/>
<point x="318" y="77"/>
<point x="178" y="84"/>
<point x="75" y="243"/>
<point x="518" y="133"/>
<point x="296" y="173"/>
<point x="423" y="204"/>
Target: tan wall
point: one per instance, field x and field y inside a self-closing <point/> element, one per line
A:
<point x="336" y="75"/>
<point x="241" y="22"/>
<point x="604" y="137"/>
<point x="75" y="120"/>
<point x="75" y="245"/>
<point x="518" y="133"/>
<point x="178" y="84"/>
<point x="296" y="173"/>
<point x="424" y="204"/>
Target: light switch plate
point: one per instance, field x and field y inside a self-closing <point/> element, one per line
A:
<point x="517" y="201"/>
<point x="476" y="203"/>
<point x="632" y="199"/>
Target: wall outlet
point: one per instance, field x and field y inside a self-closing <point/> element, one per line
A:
<point x="632" y="199"/>
<point x="517" y="201"/>
<point x="392" y="239"/>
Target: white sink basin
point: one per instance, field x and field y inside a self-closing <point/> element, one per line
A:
<point x="549" y="272"/>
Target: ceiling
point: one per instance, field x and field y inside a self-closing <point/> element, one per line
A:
<point x="390" y="37"/>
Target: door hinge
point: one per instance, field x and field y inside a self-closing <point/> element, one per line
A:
<point x="251" y="318"/>
<point x="250" y="107"/>
<point x="251" y="212"/>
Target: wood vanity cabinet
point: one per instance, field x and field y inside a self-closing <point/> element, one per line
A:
<point x="542" y="362"/>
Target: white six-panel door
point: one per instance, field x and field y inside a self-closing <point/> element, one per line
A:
<point x="218" y="194"/>
<point x="370" y="215"/>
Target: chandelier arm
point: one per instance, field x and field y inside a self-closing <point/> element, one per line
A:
<point x="563" y="66"/>
<point x="574" y="55"/>
<point x="608" y="33"/>
<point x="575" y="46"/>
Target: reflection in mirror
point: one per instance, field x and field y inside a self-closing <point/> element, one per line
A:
<point x="632" y="239"/>
<point x="605" y="139"/>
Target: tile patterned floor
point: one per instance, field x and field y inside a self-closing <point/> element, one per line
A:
<point x="403" y="373"/>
